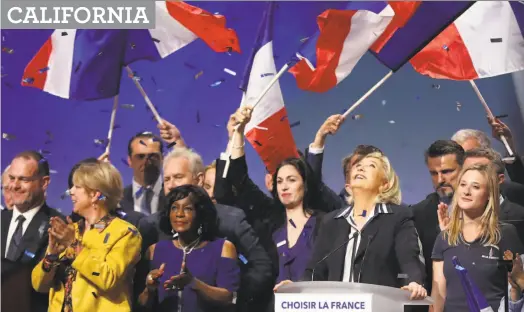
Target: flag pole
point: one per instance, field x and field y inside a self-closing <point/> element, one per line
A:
<point x="367" y="94"/>
<point x="148" y="101"/>
<point x="257" y="101"/>
<point x="111" y="124"/>
<point x="490" y="114"/>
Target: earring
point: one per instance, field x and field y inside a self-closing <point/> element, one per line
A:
<point x="199" y="231"/>
<point x="175" y="234"/>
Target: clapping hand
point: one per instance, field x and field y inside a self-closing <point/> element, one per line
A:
<point x="179" y="281"/>
<point x="153" y="276"/>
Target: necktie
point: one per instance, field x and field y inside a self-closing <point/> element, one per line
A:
<point x="16" y="239"/>
<point x="148" y="197"/>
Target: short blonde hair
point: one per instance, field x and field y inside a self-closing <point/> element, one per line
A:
<point x="102" y="177"/>
<point x="212" y="165"/>
<point x="490" y="231"/>
<point x="391" y="194"/>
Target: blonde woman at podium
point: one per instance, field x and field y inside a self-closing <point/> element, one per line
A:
<point x="474" y="236"/>
<point x="373" y="240"/>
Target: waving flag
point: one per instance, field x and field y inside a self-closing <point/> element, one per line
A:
<point x="394" y="32"/>
<point x="487" y="40"/>
<point x="268" y="131"/>
<point x="78" y="64"/>
<point x="177" y="25"/>
<point x="475" y="299"/>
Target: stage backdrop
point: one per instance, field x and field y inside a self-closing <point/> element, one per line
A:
<point x="402" y="117"/>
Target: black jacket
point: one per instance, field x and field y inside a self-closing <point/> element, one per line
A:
<point x="391" y="243"/>
<point x="32" y="250"/>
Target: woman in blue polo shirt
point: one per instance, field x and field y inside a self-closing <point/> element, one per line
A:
<point x="474" y="236"/>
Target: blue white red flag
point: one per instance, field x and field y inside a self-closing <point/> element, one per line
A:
<point x="392" y="31"/>
<point x="268" y="131"/>
<point x="487" y="40"/>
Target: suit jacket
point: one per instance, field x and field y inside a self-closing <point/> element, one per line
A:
<point x="32" y="247"/>
<point x="516" y="170"/>
<point x="257" y="275"/>
<point x="513" y="191"/>
<point x="128" y="201"/>
<point x="512" y="213"/>
<point x="389" y="247"/>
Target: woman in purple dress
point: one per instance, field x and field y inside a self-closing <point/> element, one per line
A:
<point x="196" y="271"/>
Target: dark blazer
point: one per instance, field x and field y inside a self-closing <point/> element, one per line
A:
<point x="513" y="214"/>
<point x="128" y="201"/>
<point x="232" y="224"/>
<point x="516" y="170"/>
<point x="33" y="247"/>
<point x="426" y="223"/>
<point x="513" y="191"/>
<point x="392" y="249"/>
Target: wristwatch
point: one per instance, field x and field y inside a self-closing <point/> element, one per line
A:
<point x="51" y="257"/>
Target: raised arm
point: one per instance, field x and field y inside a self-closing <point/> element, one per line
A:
<point x="516" y="168"/>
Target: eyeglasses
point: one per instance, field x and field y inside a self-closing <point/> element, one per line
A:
<point x="151" y="156"/>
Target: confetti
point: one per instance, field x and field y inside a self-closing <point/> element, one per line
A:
<point x="116" y="127"/>
<point x="459" y="106"/>
<point x="128" y="106"/>
<point x="261" y="128"/>
<point x="53" y="171"/>
<point x="65" y="194"/>
<point x="44" y="152"/>
<point x="200" y="73"/>
<point x="7" y="136"/>
<point x="153" y="79"/>
<point x="304" y="39"/>
<point x="101" y="142"/>
<point x="49" y="134"/>
<point x="124" y="161"/>
<point x="28" y="80"/>
<point x="266" y="75"/>
<point x="198" y="116"/>
<point x="445" y="47"/>
<point x="435" y="86"/>
<point x="8" y="50"/>
<point x="143" y="143"/>
<point x="283" y="118"/>
<point x="356" y="117"/>
<point x="229" y="71"/>
<point x="133" y="46"/>
<point x="156" y="40"/>
<point x="391" y="121"/>
<point x="217" y="13"/>
<point x="100" y="53"/>
<point x="217" y="83"/>
<point x="258" y="143"/>
<point x="502" y="116"/>
<point x="43" y="70"/>
<point x="64" y="33"/>
<point x="495" y="40"/>
<point x="296" y="123"/>
<point x="383" y="102"/>
<point x="78" y="66"/>
<point x="189" y="66"/>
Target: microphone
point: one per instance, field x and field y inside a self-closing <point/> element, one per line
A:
<point x="355" y="235"/>
<point x="370" y="237"/>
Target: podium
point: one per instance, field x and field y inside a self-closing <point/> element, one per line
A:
<point x="342" y="297"/>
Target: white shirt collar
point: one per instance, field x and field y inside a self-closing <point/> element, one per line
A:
<point x="28" y="215"/>
<point x="501" y="199"/>
<point x="157" y="188"/>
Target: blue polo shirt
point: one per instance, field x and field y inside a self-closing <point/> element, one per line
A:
<point x="481" y="261"/>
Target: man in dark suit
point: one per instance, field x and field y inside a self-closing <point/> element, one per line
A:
<point x="183" y="166"/>
<point x="24" y="229"/>
<point x="444" y="159"/>
<point x="510" y="212"/>
<point x="144" y="194"/>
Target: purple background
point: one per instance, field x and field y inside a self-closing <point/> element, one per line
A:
<point x="421" y="111"/>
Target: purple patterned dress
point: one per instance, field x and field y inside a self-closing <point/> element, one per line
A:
<point x="206" y="264"/>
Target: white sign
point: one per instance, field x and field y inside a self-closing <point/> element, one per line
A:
<point x="308" y="302"/>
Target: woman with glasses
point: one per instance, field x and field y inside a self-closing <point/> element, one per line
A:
<point x="89" y="265"/>
<point x="196" y="271"/>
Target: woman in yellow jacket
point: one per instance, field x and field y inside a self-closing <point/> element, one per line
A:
<point x="89" y="265"/>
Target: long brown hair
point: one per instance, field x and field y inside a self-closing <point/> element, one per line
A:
<point x="489" y="230"/>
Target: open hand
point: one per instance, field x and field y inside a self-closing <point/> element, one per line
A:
<point x="179" y="281"/>
<point x="443" y="216"/>
<point x="153" y="276"/>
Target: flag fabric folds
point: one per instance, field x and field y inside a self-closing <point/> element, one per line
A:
<point x="78" y="64"/>
<point x="177" y="25"/>
<point x="487" y="40"/>
<point x="87" y="64"/>
<point x="475" y="299"/>
<point x="393" y="32"/>
<point x="268" y="131"/>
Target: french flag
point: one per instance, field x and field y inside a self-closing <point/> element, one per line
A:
<point x="268" y="131"/>
<point x="177" y="25"/>
<point x="392" y="31"/>
<point x="487" y="40"/>
<point x="87" y="64"/>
